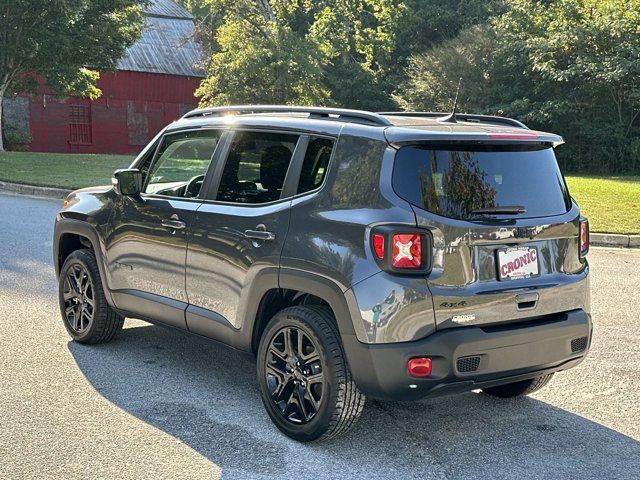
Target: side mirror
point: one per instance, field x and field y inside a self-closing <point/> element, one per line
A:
<point x="127" y="181"/>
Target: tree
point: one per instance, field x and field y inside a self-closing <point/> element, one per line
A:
<point x="358" y="39"/>
<point x="569" y="66"/>
<point x="432" y="78"/>
<point x="428" y="23"/>
<point x="294" y="51"/>
<point x="63" y="42"/>
<point x="261" y="60"/>
<point x="589" y="52"/>
<point x="256" y="57"/>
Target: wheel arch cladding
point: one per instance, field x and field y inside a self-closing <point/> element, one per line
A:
<point x="70" y="233"/>
<point x="275" y="300"/>
<point x="298" y="287"/>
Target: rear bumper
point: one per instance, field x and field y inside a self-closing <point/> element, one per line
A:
<point x="498" y="355"/>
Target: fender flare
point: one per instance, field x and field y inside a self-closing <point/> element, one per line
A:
<point x="345" y="309"/>
<point x="271" y="278"/>
<point x="78" y="227"/>
<point x="325" y="289"/>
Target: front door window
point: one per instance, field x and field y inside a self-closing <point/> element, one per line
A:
<point x="181" y="164"/>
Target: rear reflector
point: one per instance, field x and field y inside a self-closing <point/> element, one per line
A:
<point x="406" y="251"/>
<point x="378" y="245"/>
<point x="513" y="136"/>
<point x="419" y="367"/>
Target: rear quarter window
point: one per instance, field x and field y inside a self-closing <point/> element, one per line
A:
<point x="315" y="164"/>
<point x="455" y="181"/>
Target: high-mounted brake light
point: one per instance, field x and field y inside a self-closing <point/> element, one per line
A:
<point x="406" y="251"/>
<point x="513" y="136"/>
<point x="584" y="237"/>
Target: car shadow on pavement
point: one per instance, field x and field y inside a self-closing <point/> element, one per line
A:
<point x="207" y="397"/>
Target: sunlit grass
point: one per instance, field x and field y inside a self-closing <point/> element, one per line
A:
<point x="612" y="204"/>
<point x="63" y="170"/>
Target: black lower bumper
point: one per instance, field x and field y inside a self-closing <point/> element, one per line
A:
<point x="492" y="355"/>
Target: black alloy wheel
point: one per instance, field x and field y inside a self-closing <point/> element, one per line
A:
<point x="87" y="315"/>
<point x="294" y="375"/>
<point x="79" y="299"/>
<point x="305" y="381"/>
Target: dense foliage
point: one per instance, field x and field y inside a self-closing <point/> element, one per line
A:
<point x="569" y="66"/>
<point x="56" y="39"/>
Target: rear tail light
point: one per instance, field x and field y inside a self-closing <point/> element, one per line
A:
<point x="397" y="250"/>
<point x="584" y="237"/>
<point x="378" y="245"/>
<point x="419" y="367"/>
<point x="406" y="251"/>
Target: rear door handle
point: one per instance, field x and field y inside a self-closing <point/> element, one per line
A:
<point x="259" y="235"/>
<point x="174" y="223"/>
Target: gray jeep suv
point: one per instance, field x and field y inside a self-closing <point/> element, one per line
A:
<point x="390" y="255"/>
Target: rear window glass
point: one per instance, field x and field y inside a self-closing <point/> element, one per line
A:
<point x="455" y="182"/>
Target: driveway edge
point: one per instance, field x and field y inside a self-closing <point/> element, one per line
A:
<point x="614" y="240"/>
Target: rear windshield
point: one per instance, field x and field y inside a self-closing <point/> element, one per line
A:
<point x="456" y="181"/>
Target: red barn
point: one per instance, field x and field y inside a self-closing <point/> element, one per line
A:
<point x="153" y="85"/>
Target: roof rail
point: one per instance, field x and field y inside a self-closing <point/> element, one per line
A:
<point x="461" y="116"/>
<point x="342" y="114"/>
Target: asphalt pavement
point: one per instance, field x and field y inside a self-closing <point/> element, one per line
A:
<point x="156" y="403"/>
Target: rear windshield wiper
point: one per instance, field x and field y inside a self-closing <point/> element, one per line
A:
<point x="505" y="210"/>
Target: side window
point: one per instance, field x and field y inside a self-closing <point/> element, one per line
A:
<point x="181" y="163"/>
<point x="316" y="161"/>
<point x="256" y="167"/>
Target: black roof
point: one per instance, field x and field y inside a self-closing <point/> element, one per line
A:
<point x="399" y="127"/>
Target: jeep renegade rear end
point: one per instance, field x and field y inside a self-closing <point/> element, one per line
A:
<point x="356" y="254"/>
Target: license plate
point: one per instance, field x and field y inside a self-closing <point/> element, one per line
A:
<point x="517" y="262"/>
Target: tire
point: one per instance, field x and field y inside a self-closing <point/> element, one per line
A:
<point x="324" y="384"/>
<point x="518" y="389"/>
<point x="80" y="285"/>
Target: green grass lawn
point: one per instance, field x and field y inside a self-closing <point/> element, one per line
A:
<point x="611" y="203"/>
<point x="61" y="170"/>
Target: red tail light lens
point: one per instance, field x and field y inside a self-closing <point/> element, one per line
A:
<point x="406" y="251"/>
<point x="584" y="237"/>
<point x="401" y="250"/>
<point x="419" y="367"/>
<point x="378" y="245"/>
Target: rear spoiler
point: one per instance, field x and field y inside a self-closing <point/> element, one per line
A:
<point x="398" y="137"/>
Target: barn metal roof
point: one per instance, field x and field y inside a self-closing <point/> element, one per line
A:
<point x="167" y="8"/>
<point x="167" y="44"/>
